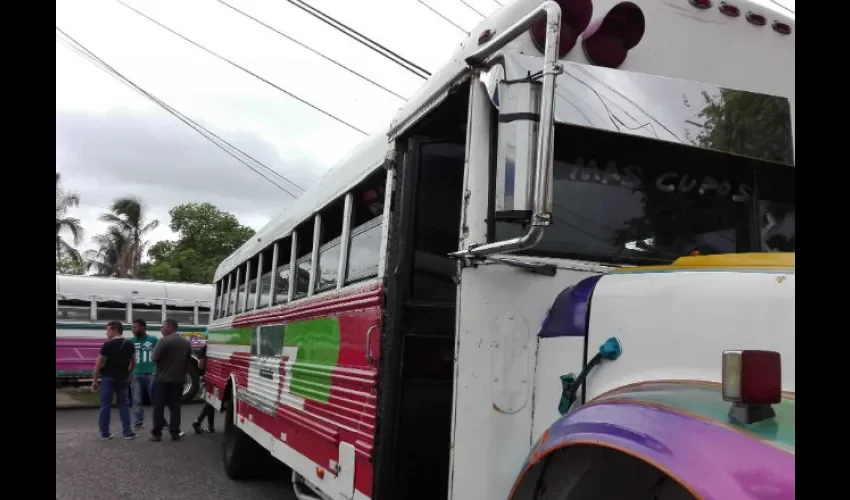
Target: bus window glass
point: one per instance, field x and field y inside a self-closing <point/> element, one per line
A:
<point x="622" y="199"/>
<point x="302" y="276"/>
<point x="231" y="295"/>
<point x="252" y="293"/>
<point x="271" y="340"/>
<point x="281" y="285"/>
<point x="240" y="297"/>
<point x="74" y="310"/>
<point x="150" y="312"/>
<point x="203" y="315"/>
<point x="304" y="251"/>
<point x="328" y="266"/>
<point x="266" y="278"/>
<point x="777" y="214"/>
<point x="281" y="280"/>
<point x="218" y="290"/>
<point x="182" y="314"/>
<point x="363" y="251"/>
<point x="111" y="310"/>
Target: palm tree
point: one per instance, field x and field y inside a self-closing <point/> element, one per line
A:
<point x="64" y="250"/>
<point x="129" y="218"/>
<point x="111" y="257"/>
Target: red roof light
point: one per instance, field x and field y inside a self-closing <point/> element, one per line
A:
<point x="781" y="28"/>
<point x="620" y="31"/>
<point x="756" y="19"/>
<point x="701" y="4"/>
<point x="729" y="10"/>
<point x="575" y="16"/>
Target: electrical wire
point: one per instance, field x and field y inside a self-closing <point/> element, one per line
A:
<point x="362" y="39"/>
<point x="473" y="9"/>
<point x="246" y="70"/>
<point x="92" y="58"/>
<point x="444" y="18"/>
<point x="316" y="52"/>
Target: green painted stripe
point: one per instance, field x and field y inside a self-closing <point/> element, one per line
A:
<point x="707" y="401"/>
<point x="235" y="336"/>
<point x="317" y="341"/>
<point x="101" y="326"/>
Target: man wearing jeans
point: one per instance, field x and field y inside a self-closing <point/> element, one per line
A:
<point x="171" y="355"/>
<point x="114" y="364"/>
<point x="142" y="381"/>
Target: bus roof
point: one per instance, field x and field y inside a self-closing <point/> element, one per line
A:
<point x="680" y="41"/>
<point x="78" y="286"/>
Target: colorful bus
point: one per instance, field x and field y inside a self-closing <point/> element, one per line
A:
<point x="84" y="304"/>
<point x="564" y="270"/>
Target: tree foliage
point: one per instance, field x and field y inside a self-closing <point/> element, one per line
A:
<point x="66" y="253"/>
<point x="206" y="236"/>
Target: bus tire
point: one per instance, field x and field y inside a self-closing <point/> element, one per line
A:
<point x="192" y="384"/>
<point x="243" y="457"/>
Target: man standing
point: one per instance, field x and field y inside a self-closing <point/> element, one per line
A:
<point x="142" y="381"/>
<point x="113" y="366"/>
<point x="171" y="355"/>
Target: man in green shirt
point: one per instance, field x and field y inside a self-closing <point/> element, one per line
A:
<point x="142" y="380"/>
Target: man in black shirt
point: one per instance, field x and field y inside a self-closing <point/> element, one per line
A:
<point x="114" y="364"/>
<point x="209" y="411"/>
<point x="171" y="355"/>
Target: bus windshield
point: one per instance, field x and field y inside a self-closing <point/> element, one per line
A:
<point x="632" y="200"/>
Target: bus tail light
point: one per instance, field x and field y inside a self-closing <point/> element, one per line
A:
<point x="620" y="31"/>
<point x="575" y="16"/>
<point x="752" y="381"/>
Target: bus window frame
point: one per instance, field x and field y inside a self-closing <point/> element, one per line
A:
<point x="357" y="231"/>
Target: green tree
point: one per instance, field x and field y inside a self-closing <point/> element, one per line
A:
<point x="129" y="217"/>
<point x="111" y="257"/>
<point x="206" y="236"/>
<point x="66" y="254"/>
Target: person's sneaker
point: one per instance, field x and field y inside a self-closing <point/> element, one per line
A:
<point x="210" y="430"/>
<point x="176" y="437"/>
<point x="130" y="437"/>
<point x="155" y="439"/>
<point x="138" y="426"/>
<point x="197" y="427"/>
<point x="107" y="437"/>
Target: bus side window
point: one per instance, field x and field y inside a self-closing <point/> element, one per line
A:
<point x="330" y="245"/>
<point x="367" y="214"/>
<point x="74" y="310"/>
<point x="184" y="314"/>
<point x="231" y="295"/>
<point x="151" y="311"/>
<point x="281" y="282"/>
<point x="203" y="315"/>
<point x="111" y="310"/>
<point x="240" y="295"/>
<point x="304" y="251"/>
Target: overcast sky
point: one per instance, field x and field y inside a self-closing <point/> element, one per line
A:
<point x="112" y="142"/>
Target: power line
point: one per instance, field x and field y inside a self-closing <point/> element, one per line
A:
<point x="473" y="9"/>
<point x="91" y="57"/>
<point x="300" y="44"/>
<point x="362" y="39"/>
<point x="246" y="70"/>
<point x="444" y="18"/>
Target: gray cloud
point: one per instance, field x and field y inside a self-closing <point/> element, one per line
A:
<point x="165" y="163"/>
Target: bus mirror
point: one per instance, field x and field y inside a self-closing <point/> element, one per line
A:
<point x="525" y="158"/>
<point x="519" y="117"/>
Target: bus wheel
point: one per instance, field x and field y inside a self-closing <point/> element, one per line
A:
<point x="192" y="384"/>
<point x="243" y="457"/>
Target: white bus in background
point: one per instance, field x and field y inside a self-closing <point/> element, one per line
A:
<point x="85" y="304"/>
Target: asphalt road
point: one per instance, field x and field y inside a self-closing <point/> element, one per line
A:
<point x="88" y="469"/>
